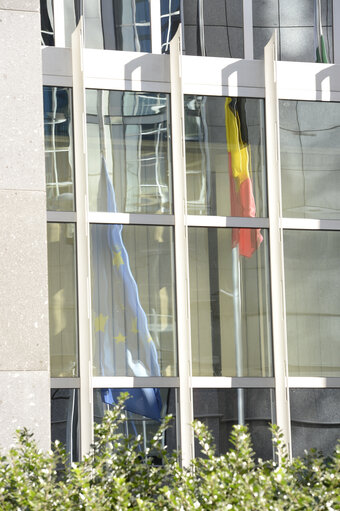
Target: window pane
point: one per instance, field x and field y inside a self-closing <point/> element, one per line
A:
<point x="130" y="131"/>
<point x="170" y="18"/>
<point x="58" y="149"/>
<point x="229" y="302"/>
<point x="47" y="23"/>
<point x="220" y="409"/>
<point x="70" y="10"/>
<point x="145" y="409"/>
<point x="310" y="159"/>
<point x="134" y="331"/>
<point x="62" y="299"/>
<point x="64" y="420"/>
<point x="225" y="156"/>
<point x="315" y="416"/>
<point x="119" y="25"/>
<point x="312" y="302"/>
<point x="213" y="28"/>
<point x="295" y="24"/>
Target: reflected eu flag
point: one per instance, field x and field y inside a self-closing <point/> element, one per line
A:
<point x="123" y="344"/>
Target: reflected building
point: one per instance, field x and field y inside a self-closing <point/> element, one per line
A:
<point x="184" y="264"/>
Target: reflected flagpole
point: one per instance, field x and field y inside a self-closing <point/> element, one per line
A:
<point x="245" y="241"/>
<point x="237" y="303"/>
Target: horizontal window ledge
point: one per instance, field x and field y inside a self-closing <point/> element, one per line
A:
<point x="130" y="218"/>
<point x="222" y="221"/>
<point x="229" y="382"/>
<point x="61" y="216"/>
<point x="65" y="383"/>
<point x="310" y="382"/>
<point x="130" y="382"/>
<point x="310" y="224"/>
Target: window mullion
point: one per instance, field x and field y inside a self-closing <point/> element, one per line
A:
<point x="155" y="17"/>
<point x="83" y="269"/>
<point x="276" y="244"/>
<point x="181" y="251"/>
<point x="248" y="29"/>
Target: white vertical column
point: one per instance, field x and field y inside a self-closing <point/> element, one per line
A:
<point x="156" y="35"/>
<point x="59" y="23"/>
<point x="83" y="268"/>
<point x="336" y="31"/>
<point x="276" y="242"/>
<point x="181" y="246"/>
<point x="248" y="29"/>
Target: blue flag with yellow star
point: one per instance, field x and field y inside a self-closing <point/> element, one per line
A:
<point x="123" y="345"/>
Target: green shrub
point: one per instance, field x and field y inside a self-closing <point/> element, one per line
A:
<point x="118" y="474"/>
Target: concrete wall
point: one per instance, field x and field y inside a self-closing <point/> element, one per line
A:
<point x="24" y="337"/>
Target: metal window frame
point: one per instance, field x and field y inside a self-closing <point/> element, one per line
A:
<point x="120" y="71"/>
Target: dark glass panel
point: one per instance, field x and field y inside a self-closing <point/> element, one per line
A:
<point x="64" y="420"/>
<point x="295" y="23"/>
<point x="220" y="409"/>
<point x="145" y="409"/>
<point x="214" y="28"/>
<point x="315" y="416"/>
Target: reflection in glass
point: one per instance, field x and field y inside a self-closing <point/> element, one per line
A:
<point x="213" y="28"/>
<point x="310" y="159"/>
<point x="62" y="299"/>
<point x="52" y="35"/>
<point x="58" y="149"/>
<point x="132" y="300"/>
<point x="312" y="302"/>
<point x="170" y="18"/>
<point x="64" y="420"/>
<point x="315" y="416"/>
<point x="131" y="130"/>
<point x="219" y="409"/>
<point x="229" y="303"/>
<point x="145" y="410"/>
<point x="225" y="156"/>
<point x="47" y="23"/>
<point x="295" y="22"/>
<point x="119" y="25"/>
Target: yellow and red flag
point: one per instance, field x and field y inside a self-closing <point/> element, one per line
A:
<point x="241" y="189"/>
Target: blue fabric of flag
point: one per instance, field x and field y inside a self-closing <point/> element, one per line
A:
<point x="123" y="344"/>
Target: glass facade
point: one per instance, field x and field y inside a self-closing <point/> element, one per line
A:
<point x="129" y="133"/>
<point x="61" y="239"/>
<point x="190" y="305"/>
<point x="296" y="23"/>
<point x="229" y="304"/>
<point x="58" y="148"/>
<point x="133" y="301"/>
<point x="220" y="409"/>
<point x="225" y="155"/>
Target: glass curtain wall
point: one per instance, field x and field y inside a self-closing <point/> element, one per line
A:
<point x="298" y="25"/>
<point x="310" y="168"/>
<point x="132" y="226"/>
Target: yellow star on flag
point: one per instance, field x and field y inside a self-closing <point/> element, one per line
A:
<point x="100" y="322"/>
<point x="149" y="339"/>
<point x="134" y="328"/>
<point x="120" y="337"/>
<point x="117" y="259"/>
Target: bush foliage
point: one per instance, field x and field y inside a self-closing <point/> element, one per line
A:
<point x="119" y="475"/>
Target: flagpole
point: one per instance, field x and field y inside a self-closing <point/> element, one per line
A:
<point x="238" y="328"/>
